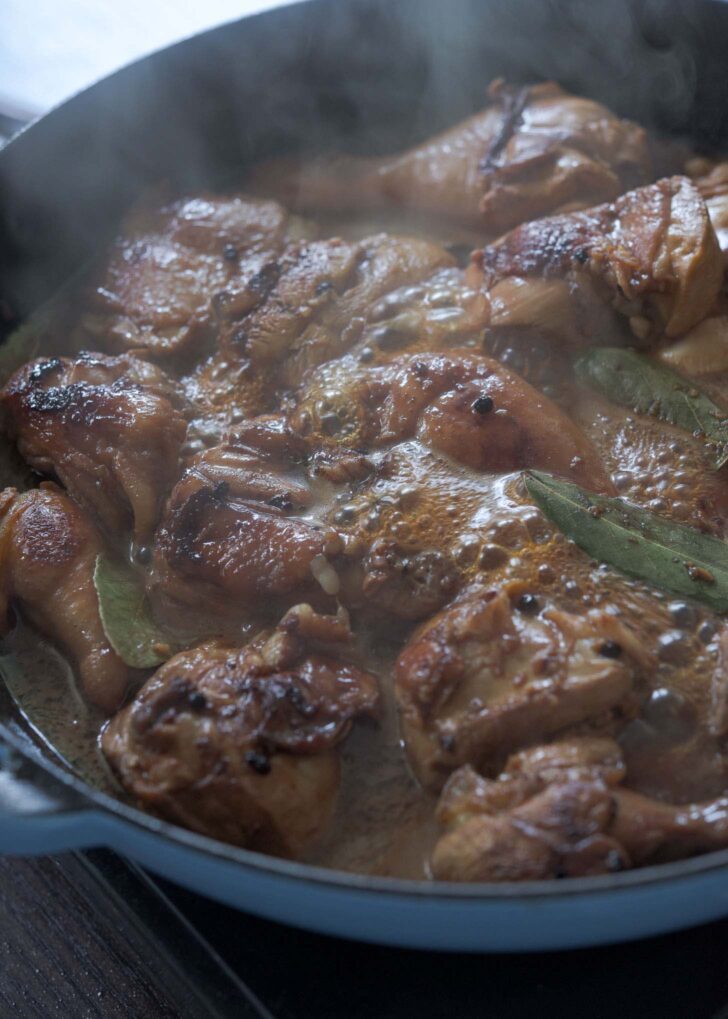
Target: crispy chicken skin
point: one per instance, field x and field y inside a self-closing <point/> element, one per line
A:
<point x="559" y="811"/>
<point x="154" y="290"/>
<point x="109" y="428"/>
<point x="48" y="551"/>
<point x="234" y="536"/>
<point x="499" y="669"/>
<point x="239" y="742"/>
<point x="462" y="404"/>
<point x="652" y="256"/>
<point x="532" y="151"/>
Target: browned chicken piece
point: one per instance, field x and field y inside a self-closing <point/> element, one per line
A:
<point x="306" y="307"/>
<point x="558" y="811"/>
<point x="532" y="151"/>
<point x="462" y="404"/>
<point x="253" y="524"/>
<point x="239" y="742"/>
<point x="499" y="669"/>
<point x="154" y="290"/>
<point x="48" y="551"/>
<point x="704" y="349"/>
<point x="236" y="537"/>
<point x="109" y="428"/>
<point x="650" y="261"/>
<point x="711" y="179"/>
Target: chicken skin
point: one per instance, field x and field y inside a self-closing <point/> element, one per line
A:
<point x="295" y="312"/>
<point x="650" y="261"/>
<point x="48" y="551"/>
<point x="235" y="532"/>
<point x="155" y="289"/>
<point x="242" y="521"/>
<point x="239" y="743"/>
<point x="559" y="811"/>
<point x="499" y="669"/>
<point x="532" y="151"/>
<point x="469" y="407"/>
<point x="109" y="428"/>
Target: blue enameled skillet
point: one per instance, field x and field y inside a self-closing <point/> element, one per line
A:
<point x="370" y="76"/>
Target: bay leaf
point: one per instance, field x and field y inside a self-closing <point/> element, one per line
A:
<point x="635" y="381"/>
<point x="636" y="542"/>
<point x="126" y="617"/>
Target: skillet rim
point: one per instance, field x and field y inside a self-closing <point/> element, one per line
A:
<point x="294" y="870"/>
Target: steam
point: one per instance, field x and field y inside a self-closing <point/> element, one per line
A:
<point x="360" y="76"/>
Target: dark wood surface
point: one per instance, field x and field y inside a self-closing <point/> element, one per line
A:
<point x="62" y="955"/>
<point x="90" y="937"/>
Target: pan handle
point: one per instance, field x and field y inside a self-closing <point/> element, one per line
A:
<point x="39" y="814"/>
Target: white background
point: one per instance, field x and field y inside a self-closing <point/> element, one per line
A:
<point x="49" y="49"/>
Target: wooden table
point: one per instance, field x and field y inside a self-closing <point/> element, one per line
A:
<point x="86" y="938"/>
<point x="61" y="955"/>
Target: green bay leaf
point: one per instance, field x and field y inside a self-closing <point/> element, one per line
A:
<point x="126" y="617"/>
<point x="635" y="381"/>
<point x="636" y="542"/>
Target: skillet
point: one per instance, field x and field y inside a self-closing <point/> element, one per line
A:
<point x="369" y="76"/>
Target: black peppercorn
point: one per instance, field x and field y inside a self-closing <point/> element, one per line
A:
<point x="706" y="632"/>
<point x="230" y="253"/>
<point x="197" y="701"/>
<point x="610" y="649"/>
<point x="527" y="603"/>
<point x="483" y="405"/>
<point x="258" y="761"/>
<point x="281" y="502"/>
<point x="143" y="555"/>
<point x="331" y="423"/>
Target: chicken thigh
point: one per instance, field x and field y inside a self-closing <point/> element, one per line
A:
<point x="645" y="267"/>
<point x="239" y="743"/>
<point x="462" y="404"/>
<point x="559" y="811"/>
<point x="237" y="531"/>
<point x="499" y="669"/>
<point x="109" y="428"/>
<point x="307" y="306"/>
<point x="154" y="291"/>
